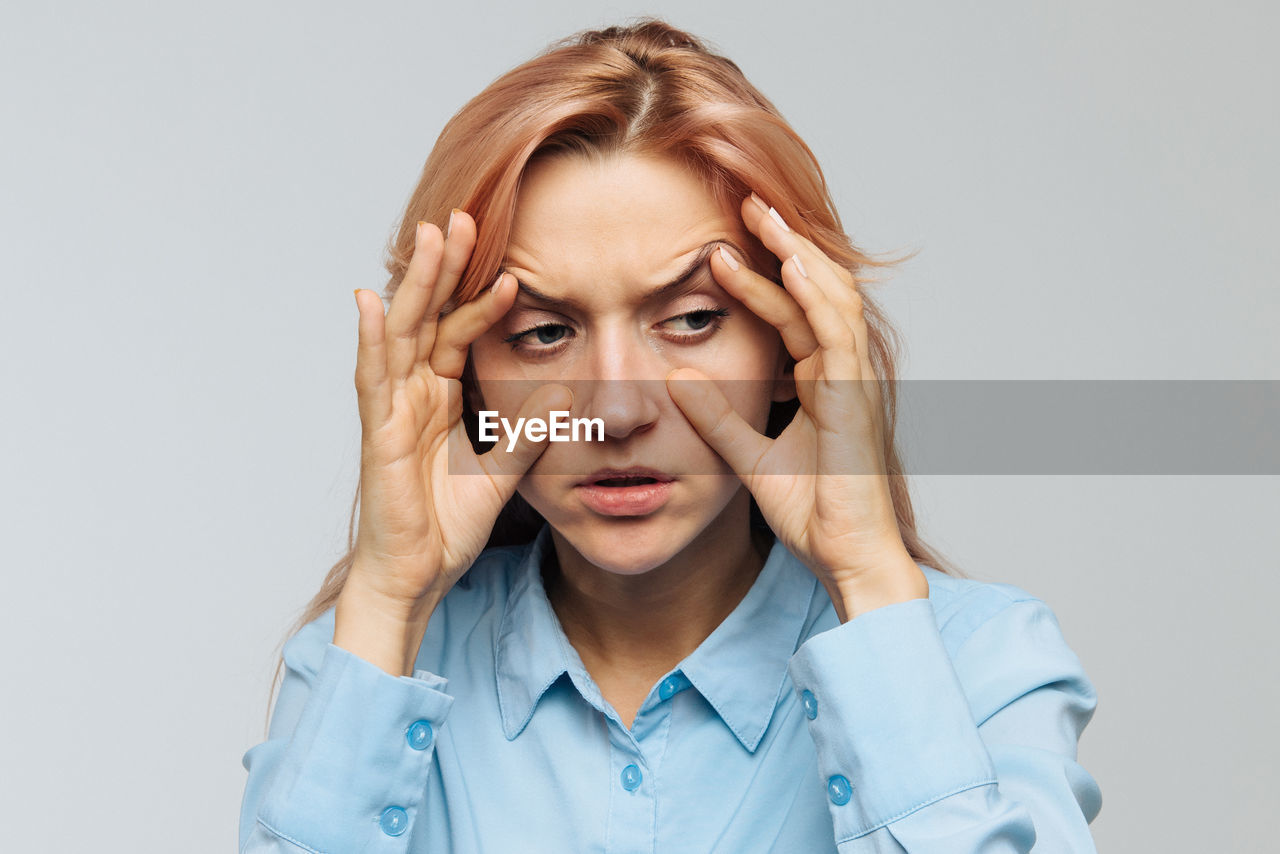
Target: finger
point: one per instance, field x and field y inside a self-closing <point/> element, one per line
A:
<point x="752" y="209"/>
<point x="460" y="239"/>
<point x="716" y="421"/>
<point x="870" y="379"/>
<point x="458" y="329"/>
<point x="848" y="304"/>
<point x="409" y="303"/>
<point x="835" y="337"/>
<point x="765" y="299"/>
<point x="507" y="463"/>
<point x="836" y="283"/>
<point x="460" y="242"/>
<point x="755" y="210"/>
<point x="779" y="239"/>
<point x="373" y="393"/>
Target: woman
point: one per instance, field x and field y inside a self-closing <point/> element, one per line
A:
<point x="698" y="631"/>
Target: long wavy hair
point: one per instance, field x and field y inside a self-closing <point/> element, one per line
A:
<point x="645" y="88"/>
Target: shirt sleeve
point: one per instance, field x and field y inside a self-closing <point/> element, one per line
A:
<point x="347" y="754"/>
<point x="955" y="746"/>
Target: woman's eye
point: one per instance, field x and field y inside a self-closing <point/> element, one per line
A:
<point x="545" y="334"/>
<point x="548" y="333"/>
<point x="547" y="338"/>
<point x="702" y="318"/>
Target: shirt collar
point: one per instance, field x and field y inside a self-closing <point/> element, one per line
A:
<point x="740" y="668"/>
<point x="532" y="650"/>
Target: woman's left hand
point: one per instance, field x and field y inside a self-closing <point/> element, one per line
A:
<point x="821" y="485"/>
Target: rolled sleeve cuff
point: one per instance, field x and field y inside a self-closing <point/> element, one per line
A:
<point x="363" y="745"/>
<point x="888" y="717"/>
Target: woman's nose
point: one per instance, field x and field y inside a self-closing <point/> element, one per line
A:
<point x="627" y="382"/>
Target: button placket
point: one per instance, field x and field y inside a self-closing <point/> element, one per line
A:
<point x="632" y="795"/>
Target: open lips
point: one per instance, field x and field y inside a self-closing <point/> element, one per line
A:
<point x="633" y="476"/>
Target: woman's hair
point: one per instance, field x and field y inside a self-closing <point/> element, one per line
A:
<point x="647" y="89"/>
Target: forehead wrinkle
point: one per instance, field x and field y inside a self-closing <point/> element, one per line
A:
<point x="685" y="280"/>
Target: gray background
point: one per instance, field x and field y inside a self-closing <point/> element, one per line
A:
<point x="191" y="191"/>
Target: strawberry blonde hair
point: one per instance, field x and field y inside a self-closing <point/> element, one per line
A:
<point x="646" y="88"/>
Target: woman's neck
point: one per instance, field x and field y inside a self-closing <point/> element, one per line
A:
<point x="644" y="624"/>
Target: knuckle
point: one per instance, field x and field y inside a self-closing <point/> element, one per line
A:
<point x="850" y="312"/>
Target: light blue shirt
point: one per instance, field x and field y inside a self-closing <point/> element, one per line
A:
<point x="942" y="725"/>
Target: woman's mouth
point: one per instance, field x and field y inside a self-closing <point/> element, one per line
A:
<point x="635" y="491"/>
<point x="625" y="481"/>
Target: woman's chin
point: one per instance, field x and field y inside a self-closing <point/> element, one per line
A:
<point x="626" y="546"/>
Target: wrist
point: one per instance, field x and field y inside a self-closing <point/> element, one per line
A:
<point x="895" y="581"/>
<point x="382" y="630"/>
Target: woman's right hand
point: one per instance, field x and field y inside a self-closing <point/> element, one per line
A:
<point x="427" y="501"/>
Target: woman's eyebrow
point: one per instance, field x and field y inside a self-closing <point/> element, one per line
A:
<point x="681" y="280"/>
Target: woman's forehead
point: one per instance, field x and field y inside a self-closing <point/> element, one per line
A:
<point x="694" y="274"/>
<point x="629" y="224"/>
<point x="582" y="201"/>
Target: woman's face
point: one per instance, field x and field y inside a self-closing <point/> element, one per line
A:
<point x="591" y="243"/>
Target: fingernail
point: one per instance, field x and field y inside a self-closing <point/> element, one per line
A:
<point x="728" y="259"/>
<point x="417" y="235"/>
<point x="496" y="282"/>
<point x="799" y="266"/>
<point x="449" y="228"/>
<point x="357" y="293"/>
<point x="759" y="202"/>
<point x="777" y="217"/>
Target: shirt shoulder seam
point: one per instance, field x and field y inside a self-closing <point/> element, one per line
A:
<point x="975" y="607"/>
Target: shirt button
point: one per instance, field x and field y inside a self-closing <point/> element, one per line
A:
<point x="419" y="735"/>
<point x="810" y="704"/>
<point x="631" y="778"/>
<point x="668" y="688"/>
<point x="394" y="821"/>
<point x="839" y="790"/>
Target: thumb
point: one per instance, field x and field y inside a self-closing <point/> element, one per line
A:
<point x="711" y="414"/>
<point x="515" y="451"/>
